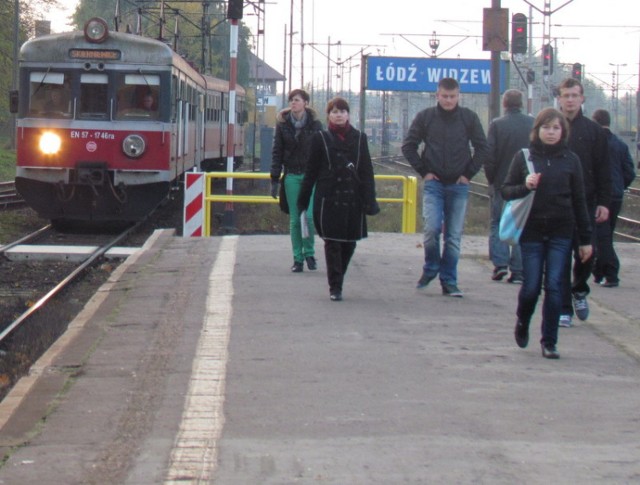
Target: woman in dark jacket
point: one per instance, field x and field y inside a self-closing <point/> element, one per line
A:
<point x="559" y="206"/>
<point x="294" y="129"/>
<point x="340" y="167"/>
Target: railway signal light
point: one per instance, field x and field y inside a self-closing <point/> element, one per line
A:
<point x="576" y="71"/>
<point x="235" y="9"/>
<point x="519" y="33"/>
<point x="547" y="59"/>
<point x="531" y="76"/>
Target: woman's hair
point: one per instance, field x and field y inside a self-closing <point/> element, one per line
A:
<point x="299" y="92"/>
<point x="339" y="103"/>
<point x="548" y="115"/>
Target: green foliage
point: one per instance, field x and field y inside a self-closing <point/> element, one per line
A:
<point x="7" y="162"/>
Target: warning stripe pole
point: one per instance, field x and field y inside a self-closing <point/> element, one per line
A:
<point x="193" y="220"/>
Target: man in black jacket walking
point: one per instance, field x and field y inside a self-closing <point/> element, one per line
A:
<point x="507" y="135"/>
<point x="588" y="140"/>
<point x="446" y="166"/>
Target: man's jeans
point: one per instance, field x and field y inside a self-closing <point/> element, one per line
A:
<point x="549" y="259"/>
<point x="443" y="208"/>
<point x="501" y="254"/>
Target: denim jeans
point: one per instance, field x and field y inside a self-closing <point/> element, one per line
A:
<point x="501" y="254"/>
<point x="443" y="208"/>
<point x="549" y="259"/>
<point x="302" y="247"/>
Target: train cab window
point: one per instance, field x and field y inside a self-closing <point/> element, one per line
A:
<point x="49" y="95"/>
<point x="138" y="97"/>
<point x="94" y="99"/>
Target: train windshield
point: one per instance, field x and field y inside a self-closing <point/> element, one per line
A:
<point x="49" y="95"/>
<point x="94" y="98"/>
<point x="137" y="96"/>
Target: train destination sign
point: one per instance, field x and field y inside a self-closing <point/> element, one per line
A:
<point x="105" y="54"/>
<point x="422" y="74"/>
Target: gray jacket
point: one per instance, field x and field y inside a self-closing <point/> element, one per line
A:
<point x="507" y="135"/>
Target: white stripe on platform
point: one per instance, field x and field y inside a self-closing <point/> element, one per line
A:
<point x="194" y="456"/>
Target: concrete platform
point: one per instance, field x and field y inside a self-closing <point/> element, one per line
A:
<point x="207" y="361"/>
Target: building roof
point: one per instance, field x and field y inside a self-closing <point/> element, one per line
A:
<point x="260" y="71"/>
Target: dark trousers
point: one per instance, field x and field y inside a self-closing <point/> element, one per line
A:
<point x="581" y="271"/>
<point x="337" y="255"/>
<point x="607" y="264"/>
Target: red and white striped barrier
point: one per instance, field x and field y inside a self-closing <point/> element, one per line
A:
<point x="192" y="224"/>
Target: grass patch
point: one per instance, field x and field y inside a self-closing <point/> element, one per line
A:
<point x="7" y="161"/>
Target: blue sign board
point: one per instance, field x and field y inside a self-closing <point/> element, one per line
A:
<point x="422" y="74"/>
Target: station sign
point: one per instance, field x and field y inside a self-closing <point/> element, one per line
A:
<point x="423" y="74"/>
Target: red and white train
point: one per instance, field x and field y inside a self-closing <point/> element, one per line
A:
<point x="108" y="121"/>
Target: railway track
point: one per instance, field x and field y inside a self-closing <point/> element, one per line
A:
<point x="106" y="243"/>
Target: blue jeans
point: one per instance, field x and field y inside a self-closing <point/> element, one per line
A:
<point x="548" y="258"/>
<point x="443" y="207"/>
<point x="501" y="254"/>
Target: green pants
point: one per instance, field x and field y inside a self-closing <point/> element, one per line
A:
<point x="302" y="247"/>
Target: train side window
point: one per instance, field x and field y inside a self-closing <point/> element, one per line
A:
<point x="49" y="95"/>
<point x="94" y="99"/>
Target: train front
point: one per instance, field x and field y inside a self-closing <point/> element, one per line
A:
<point x="93" y="126"/>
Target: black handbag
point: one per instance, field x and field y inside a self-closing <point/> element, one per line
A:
<point x="282" y="197"/>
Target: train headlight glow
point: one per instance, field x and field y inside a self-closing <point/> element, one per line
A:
<point x="96" y="30"/>
<point x="133" y="146"/>
<point x="50" y="143"/>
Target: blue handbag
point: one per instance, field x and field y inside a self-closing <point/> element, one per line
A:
<point x="516" y="212"/>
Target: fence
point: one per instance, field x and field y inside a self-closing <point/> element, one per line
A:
<point x="199" y="222"/>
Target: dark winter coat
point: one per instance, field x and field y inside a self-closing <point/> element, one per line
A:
<point x="506" y="136"/>
<point x="446" y="136"/>
<point x="621" y="163"/>
<point x="588" y="140"/>
<point x="559" y="204"/>
<point x="290" y="151"/>
<point x="342" y="173"/>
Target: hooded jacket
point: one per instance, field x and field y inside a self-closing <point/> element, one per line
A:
<point x="559" y="205"/>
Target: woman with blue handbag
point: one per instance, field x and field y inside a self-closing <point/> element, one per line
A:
<point x="559" y="208"/>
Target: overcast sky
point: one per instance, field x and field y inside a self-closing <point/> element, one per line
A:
<point x="592" y="32"/>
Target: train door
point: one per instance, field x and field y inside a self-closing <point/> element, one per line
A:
<point x="200" y="122"/>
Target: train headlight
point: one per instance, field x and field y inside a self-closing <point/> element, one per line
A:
<point x="133" y="146"/>
<point x="50" y="143"/>
<point x="96" y="30"/>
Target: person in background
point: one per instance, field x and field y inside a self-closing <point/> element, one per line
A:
<point x="607" y="264"/>
<point x="506" y="136"/>
<point x="340" y="168"/>
<point x="587" y="140"/>
<point x="295" y="126"/>
<point x="446" y="166"/>
<point x="559" y="209"/>
<point x="56" y="101"/>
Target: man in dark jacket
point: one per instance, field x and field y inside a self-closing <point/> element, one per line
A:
<point x="446" y="166"/>
<point x="588" y="140"/>
<point x="607" y="265"/>
<point x="507" y="135"/>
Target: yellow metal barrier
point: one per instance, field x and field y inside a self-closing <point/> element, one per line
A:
<point x="408" y="199"/>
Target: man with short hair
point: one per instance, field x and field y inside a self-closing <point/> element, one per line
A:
<point x="446" y="166"/>
<point x="507" y="135"/>
<point x="588" y="140"/>
<point x="607" y="264"/>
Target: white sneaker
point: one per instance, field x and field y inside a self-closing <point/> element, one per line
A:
<point x="565" y="321"/>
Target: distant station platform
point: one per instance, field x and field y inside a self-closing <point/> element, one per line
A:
<point x="205" y="360"/>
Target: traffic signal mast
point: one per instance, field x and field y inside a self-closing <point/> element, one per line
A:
<point x="519" y="37"/>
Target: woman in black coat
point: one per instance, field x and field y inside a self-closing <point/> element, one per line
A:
<point x="339" y="166"/>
